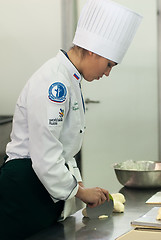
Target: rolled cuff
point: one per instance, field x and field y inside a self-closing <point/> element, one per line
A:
<point x="77" y="174"/>
<point x="74" y="192"/>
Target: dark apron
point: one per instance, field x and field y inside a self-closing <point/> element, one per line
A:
<point x="25" y="205"/>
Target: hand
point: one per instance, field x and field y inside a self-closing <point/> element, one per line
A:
<point x="81" y="184"/>
<point x="93" y="196"/>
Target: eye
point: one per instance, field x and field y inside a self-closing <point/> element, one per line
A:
<point x="109" y="65"/>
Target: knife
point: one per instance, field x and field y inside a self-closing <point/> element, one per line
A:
<point x="104" y="209"/>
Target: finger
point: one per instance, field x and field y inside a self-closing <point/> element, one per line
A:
<point x="92" y="205"/>
<point x="106" y="194"/>
<point x="103" y="200"/>
<point x="96" y="202"/>
<point x="99" y="202"/>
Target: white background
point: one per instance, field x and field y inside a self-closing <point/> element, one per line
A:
<point x="125" y="123"/>
<point x="30" y="34"/>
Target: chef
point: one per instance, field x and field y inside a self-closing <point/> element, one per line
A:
<point x="40" y="182"/>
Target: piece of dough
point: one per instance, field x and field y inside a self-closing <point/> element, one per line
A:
<point x="118" y="197"/>
<point x="159" y="214"/>
<point x="103" y="217"/>
<point x="84" y="212"/>
<point x="118" y="207"/>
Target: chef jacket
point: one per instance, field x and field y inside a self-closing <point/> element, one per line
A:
<point x="48" y="127"/>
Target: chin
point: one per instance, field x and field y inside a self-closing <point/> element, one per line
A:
<point x="93" y="78"/>
<point x="88" y="79"/>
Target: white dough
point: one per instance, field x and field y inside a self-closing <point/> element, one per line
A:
<point x="84" y="212"/>
<point x="118" y="197"/>
<point x="103" y="217"/>
<point x="159" y="214"/>
<point x="118" y="207"/>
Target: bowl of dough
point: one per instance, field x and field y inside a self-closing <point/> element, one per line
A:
<point x="139" y="174"/>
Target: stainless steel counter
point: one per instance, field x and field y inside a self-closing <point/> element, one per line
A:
<point x="5" y="119"/>
<point x="78" y="228"/>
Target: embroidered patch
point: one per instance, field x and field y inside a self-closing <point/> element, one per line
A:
<point x="57" y="92"/>
<point x="57" y="120"/>
<point x="76" y="76"/>
<point x="61" y="113"/>
<point x="75" y="106"/>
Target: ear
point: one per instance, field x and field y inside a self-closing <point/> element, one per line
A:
<point x="90" y="53"/>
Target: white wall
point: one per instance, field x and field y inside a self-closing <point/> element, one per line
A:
<point x="30" y="34"/>
<point x="125" y="123"/>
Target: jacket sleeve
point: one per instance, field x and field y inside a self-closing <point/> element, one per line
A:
<point x="45" y="120"/>
<point x="76" y="170"/>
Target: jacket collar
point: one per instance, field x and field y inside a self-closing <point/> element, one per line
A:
<point x="76" y="76"/>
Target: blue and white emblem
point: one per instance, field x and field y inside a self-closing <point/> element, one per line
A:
<point x="57" y="92"/>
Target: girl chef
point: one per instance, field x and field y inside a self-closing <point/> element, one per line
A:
<point x="40" y="182"/>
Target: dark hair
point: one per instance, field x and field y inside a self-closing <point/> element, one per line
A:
<point x="83" y="52"/>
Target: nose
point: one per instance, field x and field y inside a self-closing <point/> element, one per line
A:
<point x="107" y="73"/>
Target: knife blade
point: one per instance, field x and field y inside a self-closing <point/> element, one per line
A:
<point x="104" y="209"/>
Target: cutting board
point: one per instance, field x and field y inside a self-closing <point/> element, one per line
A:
<point x="140" y="234"/>
<point x="148" y="220"/>
<point x="155" y="199"/>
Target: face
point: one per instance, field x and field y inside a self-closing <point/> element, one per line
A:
<point x="95" y="67"/>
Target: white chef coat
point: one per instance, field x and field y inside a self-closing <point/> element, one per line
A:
<point x="48" y="127"/>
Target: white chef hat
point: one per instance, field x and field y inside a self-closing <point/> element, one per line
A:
<point x="106" y="28"/>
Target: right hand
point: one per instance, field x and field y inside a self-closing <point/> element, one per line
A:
<point x="93" y="196"/>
